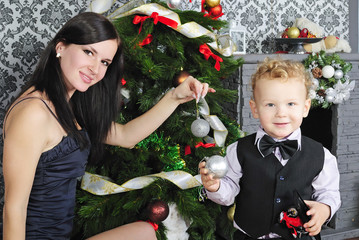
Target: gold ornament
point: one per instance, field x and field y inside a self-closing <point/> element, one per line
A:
<point x="293" y="32"/>
<point x="330" y="41"/>
<point x="212" y="3"/>
<point x="230" y="212"/>
<point x="178" y="79"/>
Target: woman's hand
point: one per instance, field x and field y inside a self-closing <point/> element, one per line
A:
<point x="191" y="89"/>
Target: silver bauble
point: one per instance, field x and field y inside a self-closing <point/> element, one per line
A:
<point x="217" y="165"/>
<point x="338" y="74"/>
<point x="173" y="4"/>
<point x="330" y="92"/>
<point x="329" y="98"/>
<point x="200" y="127"/>
<point x="315" y="83"/>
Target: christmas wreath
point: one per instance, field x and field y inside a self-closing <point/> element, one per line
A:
<point x="331" y="82"/>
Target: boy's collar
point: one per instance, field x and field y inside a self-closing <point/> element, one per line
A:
<point x="296" y="135"/>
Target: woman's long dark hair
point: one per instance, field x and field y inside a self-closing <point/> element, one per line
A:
<point x="96" y="108"/>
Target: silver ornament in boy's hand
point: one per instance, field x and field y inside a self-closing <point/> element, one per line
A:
<point x="217" y="165"/>
<point x="200" y="127"/>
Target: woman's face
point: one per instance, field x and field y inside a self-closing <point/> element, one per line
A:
<point x="84" y="65"/>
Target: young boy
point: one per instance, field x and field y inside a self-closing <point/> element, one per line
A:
<point x="261" y="180"/>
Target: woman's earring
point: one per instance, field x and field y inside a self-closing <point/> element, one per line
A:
<point x="58" y="55"/>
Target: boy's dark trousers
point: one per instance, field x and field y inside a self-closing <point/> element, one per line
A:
<point x="238" y="235"/>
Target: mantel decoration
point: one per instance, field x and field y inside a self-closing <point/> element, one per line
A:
<point x="331" y="82"/>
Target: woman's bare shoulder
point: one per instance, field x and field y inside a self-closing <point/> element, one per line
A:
<point x="30" y="116"/>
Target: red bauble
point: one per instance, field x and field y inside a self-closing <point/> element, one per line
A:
<point x="157" y="211"/>
<point x="303" y="33"/>
<point x="215" y="11"/>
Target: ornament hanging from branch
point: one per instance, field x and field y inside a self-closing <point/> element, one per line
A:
<point x="212" y="3"/>
<point x="200" y="128"/>
<point x="216" y="11"/>
<point x="157" y="211"/>
<point x="230" y="212"/>
<point x="213" y="7"/>
<point x="180" y="77"/>
<point x="173" y="4"/>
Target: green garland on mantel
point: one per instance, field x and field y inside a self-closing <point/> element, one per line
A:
<point x="331" y="82"/>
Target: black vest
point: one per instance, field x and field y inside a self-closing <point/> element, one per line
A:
<point x="266" y="187"/>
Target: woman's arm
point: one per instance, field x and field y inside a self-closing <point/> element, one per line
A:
<point x="129" y="134"/>
<point x="25" y="139"/>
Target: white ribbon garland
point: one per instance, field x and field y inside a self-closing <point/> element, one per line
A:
<point x="220" y="132"/>
<point x="100" y="185"/>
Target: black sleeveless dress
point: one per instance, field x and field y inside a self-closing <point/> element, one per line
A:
<point x="50" y="211"/>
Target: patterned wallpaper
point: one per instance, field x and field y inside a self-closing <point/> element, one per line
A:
<point x="263" y="20"/>
<point x="26" y="27"/>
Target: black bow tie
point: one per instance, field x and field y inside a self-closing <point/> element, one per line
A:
<point x="287" y="148"/>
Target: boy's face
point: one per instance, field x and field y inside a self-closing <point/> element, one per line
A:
<point x="280" y="106"/>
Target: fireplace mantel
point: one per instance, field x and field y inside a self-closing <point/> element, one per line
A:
<point x="254" y="58"/>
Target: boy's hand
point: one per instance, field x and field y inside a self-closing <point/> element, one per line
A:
<point x="211" y="184"/>
<point x="319" y="212"/>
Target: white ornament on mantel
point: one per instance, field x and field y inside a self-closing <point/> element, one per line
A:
<point x="328" y="71"/>
<point x="176" y="225"/>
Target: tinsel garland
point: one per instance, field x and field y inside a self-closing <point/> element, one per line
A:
<point x="168" y="154"/>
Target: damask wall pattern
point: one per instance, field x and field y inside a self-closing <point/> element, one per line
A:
<point x="263" y="20"/>
<point x="25" y="29"/>
<point x="26" y="26"/>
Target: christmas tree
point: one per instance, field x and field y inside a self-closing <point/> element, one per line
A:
<point x="156" y="55"/>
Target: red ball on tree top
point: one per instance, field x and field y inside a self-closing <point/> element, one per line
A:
<point x="157" y="210"/>
<point x="215" y="11"/>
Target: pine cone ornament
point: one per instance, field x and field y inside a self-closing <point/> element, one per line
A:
<point x="317" y="72"/>
<point x="321" y="92"/>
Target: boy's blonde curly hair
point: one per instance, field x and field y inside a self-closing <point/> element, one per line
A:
<point x="279" y="69"/>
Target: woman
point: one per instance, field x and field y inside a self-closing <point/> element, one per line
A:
<point x="64" y="115"/>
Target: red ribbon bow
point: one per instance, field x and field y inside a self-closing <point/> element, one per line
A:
<point x="187" y="150"/>
<point x="202" y="5"/>
<point x="167" y="21"/>
<point x="200" y="144"/>
<point x="205" y="145"/>
<point x="146" y="41"/>
<point x="206" y="51"/>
